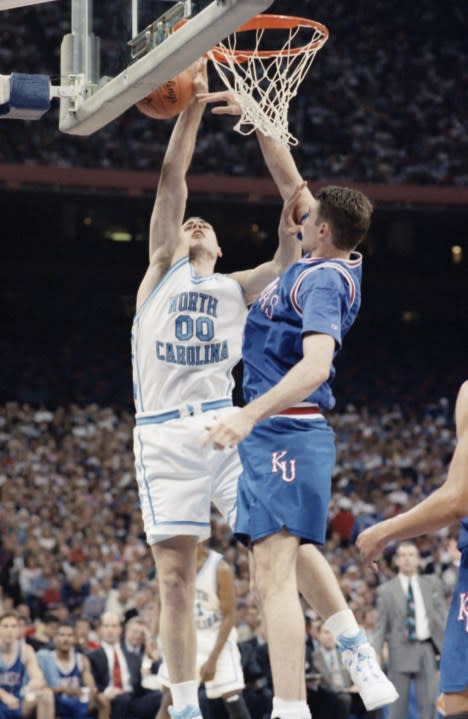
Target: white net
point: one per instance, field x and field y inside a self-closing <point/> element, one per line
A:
<point x="266" y="80"/>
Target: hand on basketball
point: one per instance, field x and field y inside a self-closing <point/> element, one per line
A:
<point x="200" y="77"/>
<point x="232" y="106"/>
<point x="230" y="431"/>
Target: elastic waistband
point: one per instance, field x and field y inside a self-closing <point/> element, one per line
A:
<point x="306" y="411"/>
<point x="186" y="410"/>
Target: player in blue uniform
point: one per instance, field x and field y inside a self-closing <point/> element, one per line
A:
<point x="68" y="674"/>
<point x="449" y="503"/>
<point x="292" y="333"/>
<point x="22" y="692"/>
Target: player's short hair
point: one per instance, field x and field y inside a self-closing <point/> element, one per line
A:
<point x="11" y="614"/>
<point x="348" y="212"/>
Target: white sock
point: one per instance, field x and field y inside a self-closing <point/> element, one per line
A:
<point x="342" y="623"/>
<point x="290" y="709"/>
<point x="184" y="693"/>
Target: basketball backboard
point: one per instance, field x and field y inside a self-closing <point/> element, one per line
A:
<point x="117" y="53"/>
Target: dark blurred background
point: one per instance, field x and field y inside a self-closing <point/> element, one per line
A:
<point x="382" y="106"/>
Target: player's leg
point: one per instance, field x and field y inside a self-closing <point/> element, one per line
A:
<point x="319" y="585"/>
<point x="166" y="701"/>
<point x="42" y="707"/>
<point x="175" y="560"/>
<point x="276" y="585"/>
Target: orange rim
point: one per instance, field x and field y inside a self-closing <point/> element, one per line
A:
<point x="273" y="22"/>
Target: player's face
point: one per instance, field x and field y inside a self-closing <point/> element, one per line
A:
<point x="9" y="631"/>
<point x="65" y="639"/>
<point x="201" y="236"/>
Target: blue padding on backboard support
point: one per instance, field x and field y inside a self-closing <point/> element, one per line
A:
<point x="29" y="96"/>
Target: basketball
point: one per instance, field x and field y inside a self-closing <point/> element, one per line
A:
<point x="169" y="99"/>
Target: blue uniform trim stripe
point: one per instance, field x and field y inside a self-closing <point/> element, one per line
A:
<point x="183" y="521"/>
<point x="136" y="323"/>
<point x="139" y="394"/>
<point x="188" y="411"/>
<point x="145" y="481"/>
<point x="179" y="263"/>
<point x="158" y="419"/>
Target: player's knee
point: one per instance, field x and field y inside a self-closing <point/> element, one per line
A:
<point x="176" y="593"/>
<point x="236" y="706"/>
<point x="45" y="699"/>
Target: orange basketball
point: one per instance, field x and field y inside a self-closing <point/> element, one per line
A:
<point x="169" y="99"/>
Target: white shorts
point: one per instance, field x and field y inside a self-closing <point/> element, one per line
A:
<point x="229" y="676"/>
<point x="178" y="479"/>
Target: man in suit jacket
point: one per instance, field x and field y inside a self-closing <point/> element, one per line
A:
<point x="411" y="618"/>
<point x="117" y="673"/>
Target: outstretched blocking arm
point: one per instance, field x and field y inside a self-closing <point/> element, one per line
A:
<point x="301" y="381"/>
<point x="447" y="504"/>
<point x="298" y="199"/>
<point x="166" y="241"/>
<point x="289" y="250"/>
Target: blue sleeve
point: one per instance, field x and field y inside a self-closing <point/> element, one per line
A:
<point x="322" y="298"/>
<point x="49" y="668"/>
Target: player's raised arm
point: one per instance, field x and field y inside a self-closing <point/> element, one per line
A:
<point x="166" y="240"/>
<point x="447" y="504"/>
<point x="277" y="156"/>
<point x="289" y="250"/>
<point x="294" y="191"/>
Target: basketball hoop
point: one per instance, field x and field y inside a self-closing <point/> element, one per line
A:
<point x="265" y="79"/>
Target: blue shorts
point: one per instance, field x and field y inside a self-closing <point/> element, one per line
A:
<point x="286" y="479"/>
<point x="454" y="658"/>
<point x="6" y="713"/>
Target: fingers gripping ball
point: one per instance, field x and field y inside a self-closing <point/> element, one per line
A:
<point x="169" y="99"/>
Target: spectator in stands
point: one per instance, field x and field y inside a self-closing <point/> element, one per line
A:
<point x="117" y="674"/>
<point x="85" y="637"/>
<point x="43" y="636"/>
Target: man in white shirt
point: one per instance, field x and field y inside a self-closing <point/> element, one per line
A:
<point x="411" y="618"/>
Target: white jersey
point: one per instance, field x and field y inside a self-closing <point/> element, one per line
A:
<point x="186" y="339"/>
<point x="208" y="615"/>
<point x="229" y="676"/>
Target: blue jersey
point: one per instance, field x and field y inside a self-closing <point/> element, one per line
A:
<point x="13" y="677"/>
<point x="463" y="536"/>
<point x="71" y="678"/>
<point x="313" y="295"/>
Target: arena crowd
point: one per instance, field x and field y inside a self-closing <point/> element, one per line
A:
<point x="383" y="102"/>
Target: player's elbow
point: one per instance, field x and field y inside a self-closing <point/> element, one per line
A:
<point x="317" y="376"/>
<point x="456" y="505"/>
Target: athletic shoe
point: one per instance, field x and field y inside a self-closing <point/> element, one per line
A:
<point x="188" y="712"/>
<point x="375" y="689"/>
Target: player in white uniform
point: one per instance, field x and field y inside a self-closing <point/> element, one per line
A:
<point x="218" y="658"/>
<point x="186" y="339"/>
